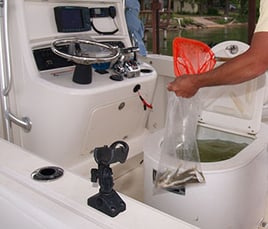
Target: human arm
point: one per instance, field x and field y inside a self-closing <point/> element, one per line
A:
<point x="242" y="68"/>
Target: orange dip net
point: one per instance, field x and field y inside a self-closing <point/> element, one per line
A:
<point x="191" y="56"/>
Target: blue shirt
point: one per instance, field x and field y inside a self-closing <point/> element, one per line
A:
<point x="134" y="24"/>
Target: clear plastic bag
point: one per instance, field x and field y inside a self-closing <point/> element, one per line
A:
<point x="179" y="160"/>
<point x="179" y="157"/>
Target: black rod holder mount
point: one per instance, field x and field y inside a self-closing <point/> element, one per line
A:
<point x="107" y="200"/>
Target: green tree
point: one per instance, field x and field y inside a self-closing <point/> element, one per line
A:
<point x="226" y="8"/>
<point x="243" y="7"/>
<point x="202" y="6"/>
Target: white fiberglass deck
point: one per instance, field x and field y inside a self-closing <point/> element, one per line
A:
<point x="131" y="185"/>
<point x="62" y="203"/>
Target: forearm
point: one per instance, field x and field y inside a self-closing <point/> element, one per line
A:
<point x="242" y="68"/>
<point x="245" y="67"/>
<point x="237" y="70"/>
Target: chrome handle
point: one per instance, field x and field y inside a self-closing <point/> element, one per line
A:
<point x="25" y="122"/>
<point x="6" y="78"/>
<point x="7" y="85"/>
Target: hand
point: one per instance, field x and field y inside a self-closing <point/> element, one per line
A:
<point x="184" y="86"/>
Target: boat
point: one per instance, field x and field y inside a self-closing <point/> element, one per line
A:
<point x="78" y="105"/>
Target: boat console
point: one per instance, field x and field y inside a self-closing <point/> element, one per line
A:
<point x="74" y="71"/>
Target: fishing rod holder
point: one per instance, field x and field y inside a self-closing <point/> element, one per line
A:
<point x="107" y="200"/>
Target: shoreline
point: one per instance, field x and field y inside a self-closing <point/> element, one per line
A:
<point x="197" y="23"/>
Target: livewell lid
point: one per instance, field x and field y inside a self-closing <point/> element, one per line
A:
<point x="236" y="108"/>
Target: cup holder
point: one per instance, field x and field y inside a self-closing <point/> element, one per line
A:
<point x="146" y="70"/>
<point x="48" y="173"/>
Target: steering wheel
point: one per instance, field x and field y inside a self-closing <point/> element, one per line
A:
<point x="84" y="53"/>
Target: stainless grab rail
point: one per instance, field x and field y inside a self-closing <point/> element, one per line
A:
<point x="5" y="78"/>
<point x="24" y="122"/>
<point x="7" y="87"/>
